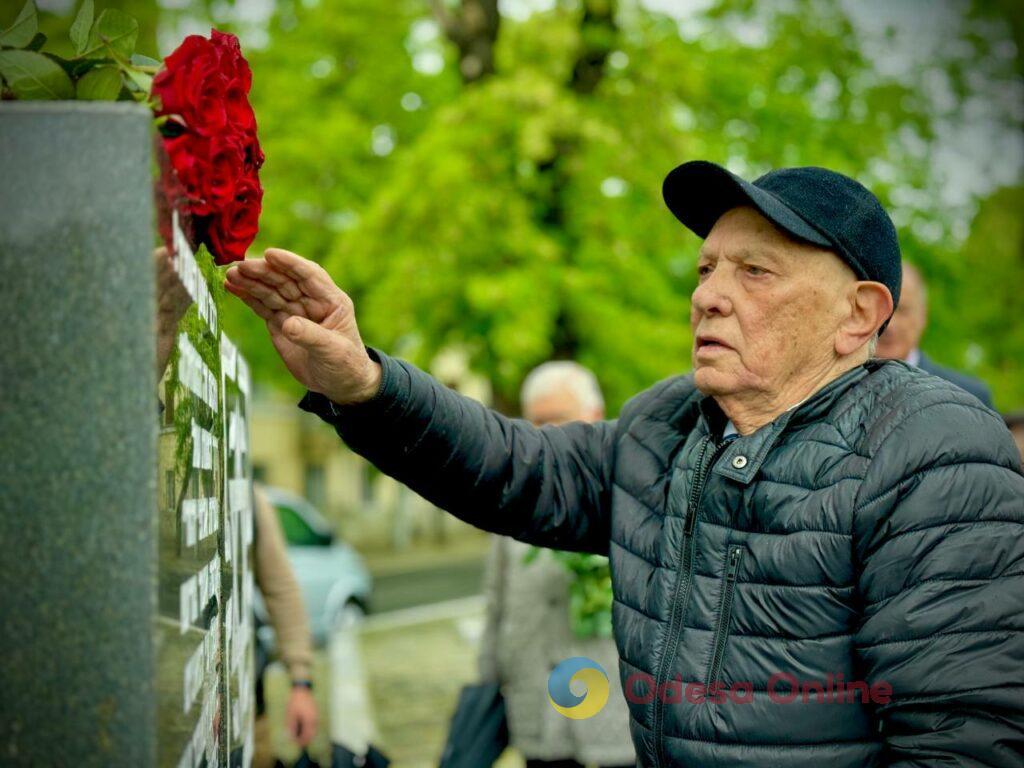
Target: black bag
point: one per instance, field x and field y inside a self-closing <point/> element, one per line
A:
<point x="342" y="758"/>
<point x="479" y="730"/>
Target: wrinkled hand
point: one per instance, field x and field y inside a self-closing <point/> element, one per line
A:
<point x="311" y="321"/>
<point x="300" y="716"/>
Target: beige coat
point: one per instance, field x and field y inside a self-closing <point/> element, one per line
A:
<point x="281" y="594"/>
<point x="526" y="634"/>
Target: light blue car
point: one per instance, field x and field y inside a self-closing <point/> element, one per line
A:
<point x="334" y="580"/>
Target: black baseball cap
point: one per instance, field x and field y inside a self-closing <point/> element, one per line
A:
<point x="811" y="204"/>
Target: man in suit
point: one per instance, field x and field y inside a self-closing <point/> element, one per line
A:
<point x="901" y="340"/>
<point x="1015" y="421"/>
<point x="528" y="630"/>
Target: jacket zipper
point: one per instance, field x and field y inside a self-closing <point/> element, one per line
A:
<point x="681" y="592"/>
<point x="734" y="555"/>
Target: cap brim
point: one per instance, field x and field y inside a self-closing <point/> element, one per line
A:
<point x="699" y="192"/>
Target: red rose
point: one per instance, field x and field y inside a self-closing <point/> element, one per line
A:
<point x="227" y="164"/>
<point x="238" y="111"/>
<point x="210" y="138"/>
<point x="232" y="231"/>
<point x="192" y="86"/>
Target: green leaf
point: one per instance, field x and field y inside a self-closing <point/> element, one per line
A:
<point x="142" y="80"/>
<point x="114" y="30"/>
<point x="37" y="42"/>
<point x="32" y="75"/>
<point x="81" y="26"/>
<point x="144" y="61"/>
<point x="100" y="84"/>
<point x="24" y="28"/>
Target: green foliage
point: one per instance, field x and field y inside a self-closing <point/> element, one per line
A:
<point x="519" y="219"/>
<point x="80" y="27"/>
<point x="114" y="32"/>
<point x="987" y="334"/>
<point x="332" y="74"/>
<point x="24" y="28"/>
<point x="32" y="75"/>
<point x="99" y="84"/>
<point x="101" y="68"/>
<point x="590" y="590"/>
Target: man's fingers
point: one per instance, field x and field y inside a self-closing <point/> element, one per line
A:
<point x="302" y="726"/>
<point x="256" y="305"/>
<point x="259" y="269"/>
<point x="310" y="277"/>
<point x="293" y="725"/>
<point x="292" y="264"/>
<point x="316" y="308"/>
<point x="269" y="295"/>
<point x="308" y="731"/>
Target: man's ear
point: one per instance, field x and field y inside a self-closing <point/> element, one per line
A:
<point x="870" y="305"/>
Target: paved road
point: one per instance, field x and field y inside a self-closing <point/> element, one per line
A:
<point x="395" y="591"/>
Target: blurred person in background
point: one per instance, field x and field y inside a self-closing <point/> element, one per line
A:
<point x="1015" y="422"/>
<point x="902" y="339"/>
<point x="283" y="599"/>
<point x="528" y="631"/>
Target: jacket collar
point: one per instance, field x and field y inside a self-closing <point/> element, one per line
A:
<point x="744" y="455"/>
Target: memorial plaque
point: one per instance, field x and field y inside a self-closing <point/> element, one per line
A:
<point x="204" y="628"/>
<point x="126" y="523"/>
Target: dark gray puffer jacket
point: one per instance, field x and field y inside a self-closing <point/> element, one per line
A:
<point x="874" y="532"/>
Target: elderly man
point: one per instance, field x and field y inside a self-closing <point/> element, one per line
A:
<point x="528" y="628"/>
<point x="902" y="338"/>
<point x="817" y="557"/>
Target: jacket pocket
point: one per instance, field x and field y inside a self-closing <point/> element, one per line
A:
<point x="733" y="556"/>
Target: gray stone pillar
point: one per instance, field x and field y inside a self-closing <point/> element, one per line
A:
<point x="77" y="435"/>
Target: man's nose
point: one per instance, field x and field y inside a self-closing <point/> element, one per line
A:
<point x="712" y="296"/>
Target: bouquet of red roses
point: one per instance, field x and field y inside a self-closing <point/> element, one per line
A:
<point x="209" y="134"/>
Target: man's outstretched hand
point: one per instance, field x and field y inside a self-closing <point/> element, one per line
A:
<point x="311" y="322"/>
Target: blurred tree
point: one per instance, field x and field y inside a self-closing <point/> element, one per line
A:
<point x="511" y="207"/>
<point x="335" y="92"/>
<point x="985" y="301"/>
<point x="493" y="184"/>
<point x="473" y="27"/>
<point x="55" y="25"/>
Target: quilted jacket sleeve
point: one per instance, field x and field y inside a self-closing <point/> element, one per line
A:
<point x="548" y="486"/>
<point x="939" y="534"/>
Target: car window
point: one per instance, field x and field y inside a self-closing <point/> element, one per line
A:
<point x="297" y="531"/>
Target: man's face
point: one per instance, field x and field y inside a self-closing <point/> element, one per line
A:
<point x="558" y="406"/>
<point x="765" y="309"/>
<point x="903" y="334"/>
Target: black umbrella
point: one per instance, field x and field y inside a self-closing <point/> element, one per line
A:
<point x="479" y="729"/>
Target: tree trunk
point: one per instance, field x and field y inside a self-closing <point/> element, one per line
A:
<point x="473" y="28"/>
<point x="597" y="39"/>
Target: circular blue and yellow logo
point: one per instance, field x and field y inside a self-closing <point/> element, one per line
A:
<point x="586" y="671"/>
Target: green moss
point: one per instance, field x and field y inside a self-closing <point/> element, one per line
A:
<point x="207" y="343"/>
